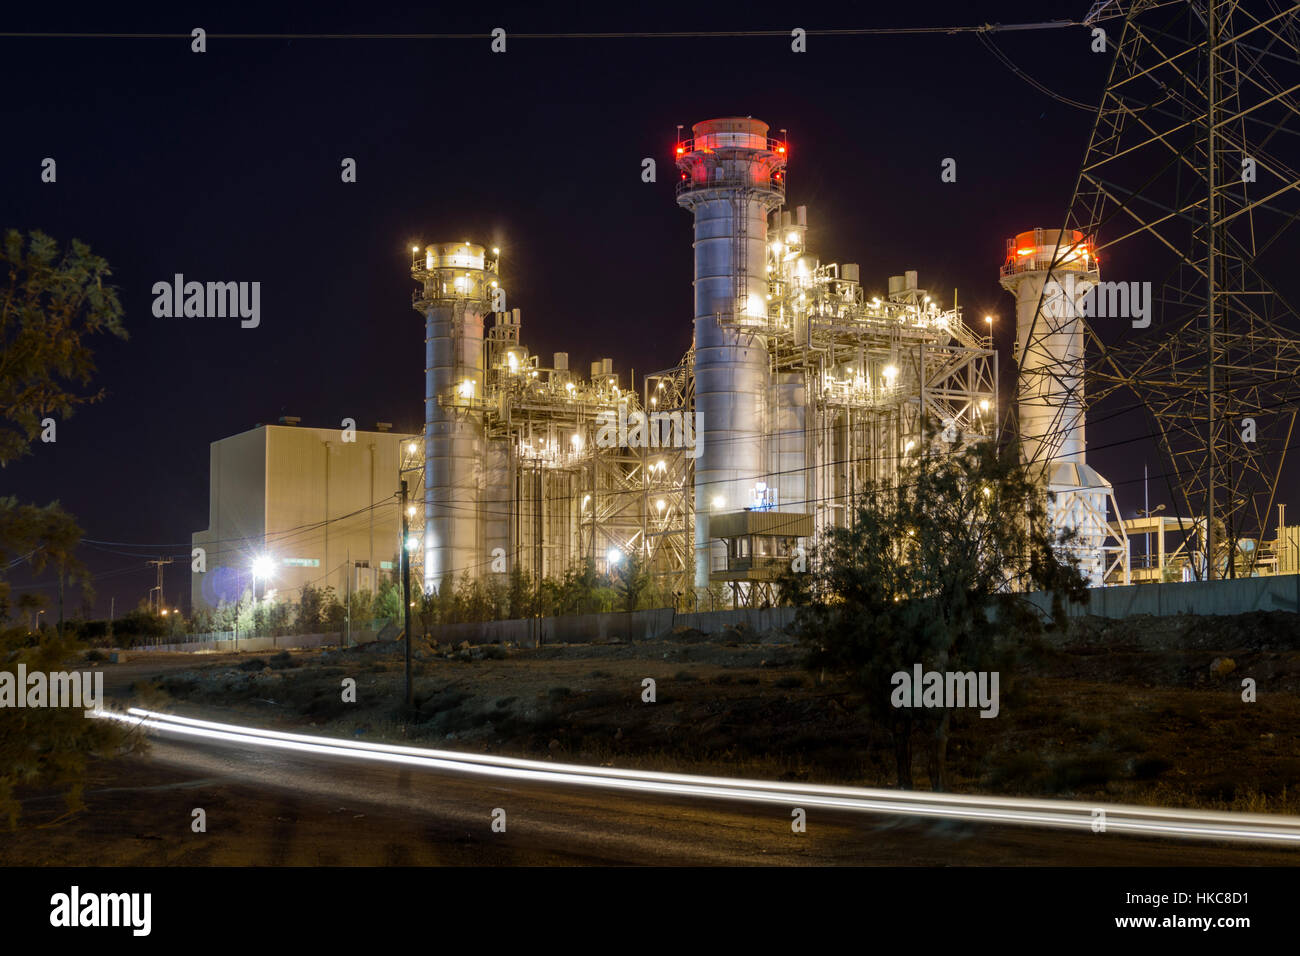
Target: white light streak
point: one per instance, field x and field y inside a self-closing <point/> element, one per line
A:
<point x="1154" y="821"/>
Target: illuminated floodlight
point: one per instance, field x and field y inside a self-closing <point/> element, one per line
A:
<point x="792" y="238"/>
<point x="719" y="501"/>
<point x="984" y="404"/>
<point x="262" y="566"/>
<point x="415" y="248"/>
<point x="466" y="388"/>
<point x="496" y="251"/>
<point x="891" y="373"/>
<point x="576" y="441"/>
<point x="411" y="448"/>
<point x="661" y="504"/>
<point x="613" y="556"/>
<point x="411" y="511"/>
<point x="412" y="542"/>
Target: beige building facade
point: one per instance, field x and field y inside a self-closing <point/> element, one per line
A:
<point x="290" y="506"/>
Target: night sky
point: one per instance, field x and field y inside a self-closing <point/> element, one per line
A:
<point x="226" y="166"/>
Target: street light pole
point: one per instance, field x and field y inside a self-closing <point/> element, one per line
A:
<point x="406" y="599"/>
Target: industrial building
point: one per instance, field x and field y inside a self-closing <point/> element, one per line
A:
<point x="291" y="505"/>
<point x="802" y="384"/>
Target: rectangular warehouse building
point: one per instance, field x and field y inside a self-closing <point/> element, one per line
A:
<point x="302" y="506"/>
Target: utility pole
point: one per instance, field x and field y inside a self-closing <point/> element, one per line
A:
<point x="347" y="601"/>
<point x="406" y="600"/>
<point x="326" y="562"/>
<point x="158" y="562"/>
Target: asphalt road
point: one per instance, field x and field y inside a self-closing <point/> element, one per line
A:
<point x="274" y="807"/>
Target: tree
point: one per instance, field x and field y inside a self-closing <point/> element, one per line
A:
<point x="314" y="609"/>
<point x="520" y="596"/>
<point x="631" y="582"/>
<point x="929" y="572"/>
<point x="53" y="303"/>
<point x="388" y="601"/>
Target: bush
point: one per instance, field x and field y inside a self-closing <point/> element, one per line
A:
<point x="282" y="661"/>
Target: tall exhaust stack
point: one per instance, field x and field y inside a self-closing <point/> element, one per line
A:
<point x="1050" y="271"/>
<point x="458" y="280"/>
<point x="731" y="176"/>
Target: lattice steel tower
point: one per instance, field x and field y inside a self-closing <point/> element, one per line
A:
<point x="1189" y="182"/>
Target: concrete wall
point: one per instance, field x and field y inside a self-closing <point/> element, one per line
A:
<point x="1207" y="597"/>
<point x="261" y="643"/>
<point x="570" y="629"/>
<point x="596" y="628"/>
<point x="1238" y="596"/>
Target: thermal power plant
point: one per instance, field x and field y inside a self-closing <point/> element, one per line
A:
<point x="1051" y="272"/>
<point x="800" y="386"/>
<point x="731" y="181"/>
<point x="464" y="476"/>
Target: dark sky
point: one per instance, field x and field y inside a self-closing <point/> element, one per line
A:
<point x="225" y="166"/>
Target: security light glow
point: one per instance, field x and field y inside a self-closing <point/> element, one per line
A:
<point x="262" y="566"/>
<point x="613" y="556"/>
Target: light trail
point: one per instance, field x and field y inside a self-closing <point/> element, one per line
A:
<point x="1150" y="821"/>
